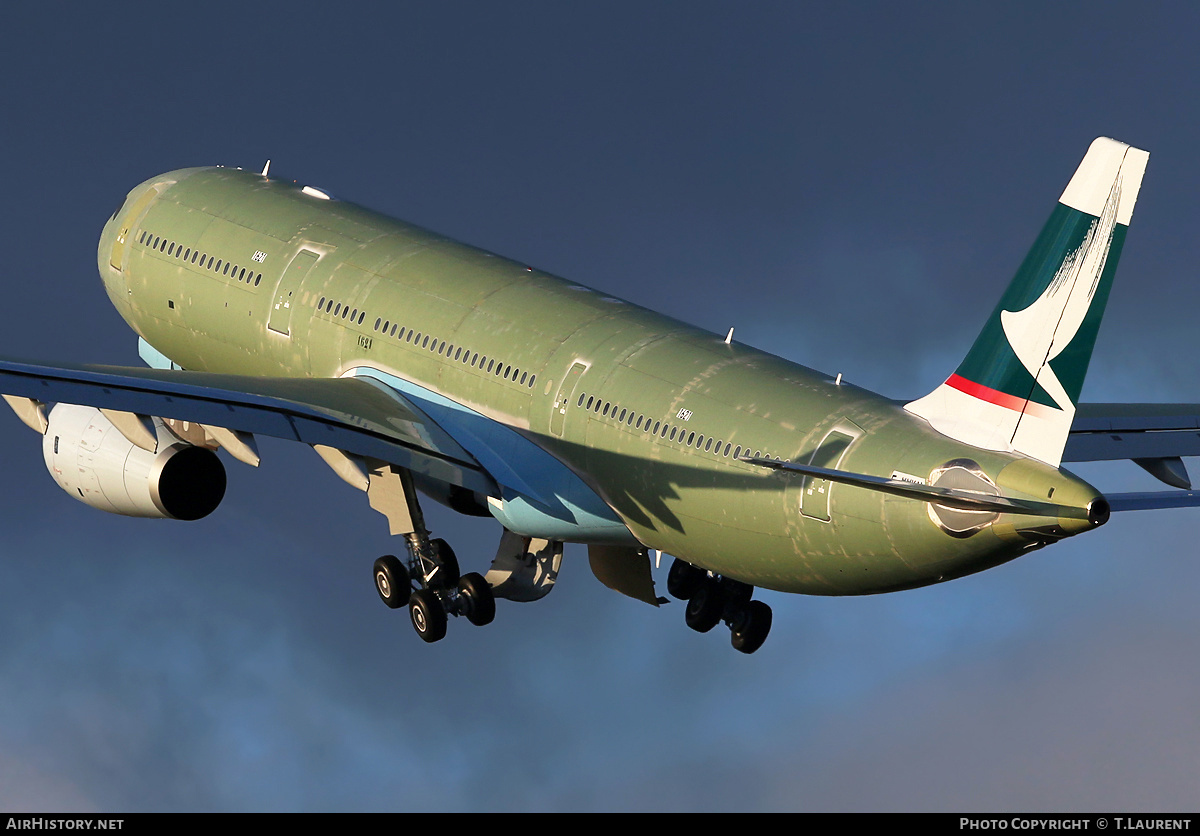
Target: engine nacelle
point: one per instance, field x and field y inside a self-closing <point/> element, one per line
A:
<point x="91" y="460"/>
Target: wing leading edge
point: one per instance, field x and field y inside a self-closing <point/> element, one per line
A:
<point x="352" y="415"/>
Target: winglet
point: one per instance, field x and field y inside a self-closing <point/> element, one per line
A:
<point x="1018" y="386"/>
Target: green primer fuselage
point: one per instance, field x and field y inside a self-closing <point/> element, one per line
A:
<point x="652" y="413"/>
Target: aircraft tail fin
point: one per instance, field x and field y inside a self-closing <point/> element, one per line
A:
<point x="1019" y="384"/>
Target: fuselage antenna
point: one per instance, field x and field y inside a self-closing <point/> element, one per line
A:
<point x="266" y="168"/>
<point x="729" y="336"/>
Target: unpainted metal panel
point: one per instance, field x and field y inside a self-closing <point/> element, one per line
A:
<point x="814" y="500"/>
<point x="281" y="311"/>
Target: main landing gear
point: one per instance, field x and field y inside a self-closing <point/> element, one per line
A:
<point x="428" y="581"/>
<point x="433" y="590"/>
<point x="712" y="599"/>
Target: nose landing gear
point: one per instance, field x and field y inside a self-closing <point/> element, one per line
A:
<point x="712" y="599"/>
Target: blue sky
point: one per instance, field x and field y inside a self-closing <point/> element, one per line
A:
<point x="851" y="188"/>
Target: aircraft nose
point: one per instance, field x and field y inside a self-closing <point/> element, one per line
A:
<point x="111" y="252"/>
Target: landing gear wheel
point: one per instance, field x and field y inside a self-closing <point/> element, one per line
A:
<point x="704" y="608"/>
<point x="684" y="579"/>
<point x="479" y="603"/>
<point x="751" y="628"/>
<point x="428" y="615"/>
<point x="447" y="573"/>
<point x="392" y="582"/>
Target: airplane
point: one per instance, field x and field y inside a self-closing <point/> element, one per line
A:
<point x="419" y="367"/>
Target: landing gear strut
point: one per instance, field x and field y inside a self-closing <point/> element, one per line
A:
<point x="712" y="599"/>
<point x="429" y="581"/>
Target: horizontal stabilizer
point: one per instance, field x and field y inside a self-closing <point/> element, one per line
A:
<point x="1153" y="500"/>
<point x="1113" y="431"/>
<point x="949" y="497"/>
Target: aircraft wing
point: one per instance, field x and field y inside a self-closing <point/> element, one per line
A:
<point x="1112" y="431"/>
<point x="352" y="415"/>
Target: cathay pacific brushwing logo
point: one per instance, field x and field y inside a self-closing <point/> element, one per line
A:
<point x="1042" y="331"/>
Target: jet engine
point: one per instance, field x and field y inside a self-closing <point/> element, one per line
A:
<point x="94" y="462"/>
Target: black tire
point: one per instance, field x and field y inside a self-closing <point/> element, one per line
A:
<point x="427" y="614"/>
<point x="753" y="629"/>
<point x="704" y="608"/>
<point x="392" y="581"/>
<point x="448" y="574"/>
<point x="684" y="579"/>
<point x="480" y="603"/>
